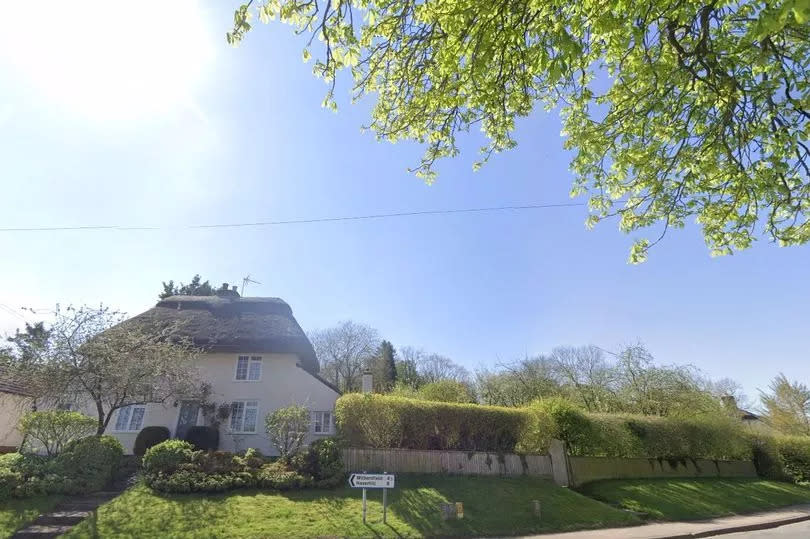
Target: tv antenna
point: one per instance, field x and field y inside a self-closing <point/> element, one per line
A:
<point x="245" y="281"/>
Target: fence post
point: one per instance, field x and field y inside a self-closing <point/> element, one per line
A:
<point x="560" y="466"/>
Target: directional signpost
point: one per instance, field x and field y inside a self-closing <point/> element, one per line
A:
<point x="372" y="480"/>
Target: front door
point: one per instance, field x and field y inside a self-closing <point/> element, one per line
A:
<point x="187" y="418"/>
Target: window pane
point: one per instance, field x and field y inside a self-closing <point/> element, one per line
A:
<point x="255" y="368"/>
<point x="241" y="368"/>
<point x="137" y="418"/>
<point x="123" y="418"/>
<point x="317" y="421"/>
<point x="250" y="419"/>
<point x="327" y="422"/>
<point x="237" y="410"/>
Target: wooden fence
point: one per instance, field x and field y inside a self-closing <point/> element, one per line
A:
<point x="447" y="462"/>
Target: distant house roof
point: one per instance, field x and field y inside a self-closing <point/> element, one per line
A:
<point x="230" y="323"/>
<point x="8" y="385"/>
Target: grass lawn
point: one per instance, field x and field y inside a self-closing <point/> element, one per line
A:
<point x="492" y="506"/>
<point x="14" y="513"/>
<point x="685" y="499"/>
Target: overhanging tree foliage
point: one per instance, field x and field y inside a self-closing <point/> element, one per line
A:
<point x="674" y="108"/>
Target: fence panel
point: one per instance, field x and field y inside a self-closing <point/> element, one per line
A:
<point x="447" y="462"/>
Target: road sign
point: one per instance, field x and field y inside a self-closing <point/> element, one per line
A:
<point x="371" y="480"/>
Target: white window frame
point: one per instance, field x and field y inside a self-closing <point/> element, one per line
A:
<point x="251" y="361"/>
<point x="318" y="419"/>
<point x="246" y="404"/>
<point x="131" y="408"/>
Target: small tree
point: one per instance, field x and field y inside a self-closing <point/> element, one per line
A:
<point x="54" y="429"/>
<point x="287" y="428"/>
<point x="91" y="354"/>
<point x="446" y="391"/>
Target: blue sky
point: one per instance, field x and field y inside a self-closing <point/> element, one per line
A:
<point x="159" y="123"/>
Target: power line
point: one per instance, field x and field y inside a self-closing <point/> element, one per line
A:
<point x="298" y="221"/>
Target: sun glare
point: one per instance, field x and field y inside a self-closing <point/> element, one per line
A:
<point x="108" y="59"/>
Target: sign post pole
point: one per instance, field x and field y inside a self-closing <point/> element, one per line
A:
<point x="385" y="491"/>
<point x="366" y="481"/>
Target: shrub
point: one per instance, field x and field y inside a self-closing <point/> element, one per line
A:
<point x="383" y="421"/>
<point x="287" y="428"/>
<point x="54" y="429"/>
<point x="166" y="457"/>
<point x="322" y="461"/>
<point x="766" y="457"/>
<point x="88" y="463"/>
<point x="9" y="481"/>
<point x="794" y="453"/>
<point x="446" y="391"/>
<point x="278" y="477"/>
<point x="148" y="437"/>
<point x="203" y="438"/>
<point x="537" y="433"/>
<point x="571" y="425"/>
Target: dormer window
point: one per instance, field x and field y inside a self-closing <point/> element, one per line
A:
<point x="248" y="368"/>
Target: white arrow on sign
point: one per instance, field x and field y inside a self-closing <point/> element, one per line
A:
<point x="371" y="480"/>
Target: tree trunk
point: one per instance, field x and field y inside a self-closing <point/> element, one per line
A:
<point x="101" y="423"/>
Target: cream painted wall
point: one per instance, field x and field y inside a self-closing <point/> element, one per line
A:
<point x="12" y="407"/>
<point x="282" y="383"/>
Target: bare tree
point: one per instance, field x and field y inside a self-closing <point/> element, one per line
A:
<point x="344" y="351"/>
<point x="435" y="368"/>
<point x="88" y="355"/>
<point x="590" y="378"/>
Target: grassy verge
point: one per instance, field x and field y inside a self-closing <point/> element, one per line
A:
<point x="14" y="513"/>
<point x="685" y="499"/>
<point x="492" y="506"/>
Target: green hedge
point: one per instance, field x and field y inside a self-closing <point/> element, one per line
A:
<point x="794" y="454"/>
<point x="399" y="422"/>
<point x="382" y="421"/>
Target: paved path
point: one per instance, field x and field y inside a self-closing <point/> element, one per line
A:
<point x="698" y="528"/>
<point x="789" y="531"/>
<point x="64" y="516"/>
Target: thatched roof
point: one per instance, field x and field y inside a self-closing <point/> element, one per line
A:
<point x="229" y="323"/>
<point x="9" y="385"/>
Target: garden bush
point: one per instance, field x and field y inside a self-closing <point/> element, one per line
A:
<point x="765" y="452"/>
<point x="382" y="421"/>
<point x="278" y="476"/>
<point x="148" y="437"/>
<point x="203" y="438"/>
<point x="54" y="429"/>
<point x="174" y="466"/>
<point x="166" y="457"/>
<point x="322" y="461"/>
<point x="794" y="454"/>
<point x="89" y="463"/>
<point x="83" y="466"/>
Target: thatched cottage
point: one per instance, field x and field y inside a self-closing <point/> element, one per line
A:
<point x="256" y="359"/>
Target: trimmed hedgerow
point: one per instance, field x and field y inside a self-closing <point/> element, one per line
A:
<point x="148" y="437"/>
<point x="381" y="421"/>
<point x="399" y="422"/>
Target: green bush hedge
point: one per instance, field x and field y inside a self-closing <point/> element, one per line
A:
<point x="381" y="421"/>
<point x="203" y="438"/>
<point x="149" y="436"/>
<point x="399" y="422"/>
<point x="794" y="454"/>
<point x="83" y="466"/>
<point x="174" y="466"/>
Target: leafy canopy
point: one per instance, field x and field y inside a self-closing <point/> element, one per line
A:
<point x="674" y="109"/>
